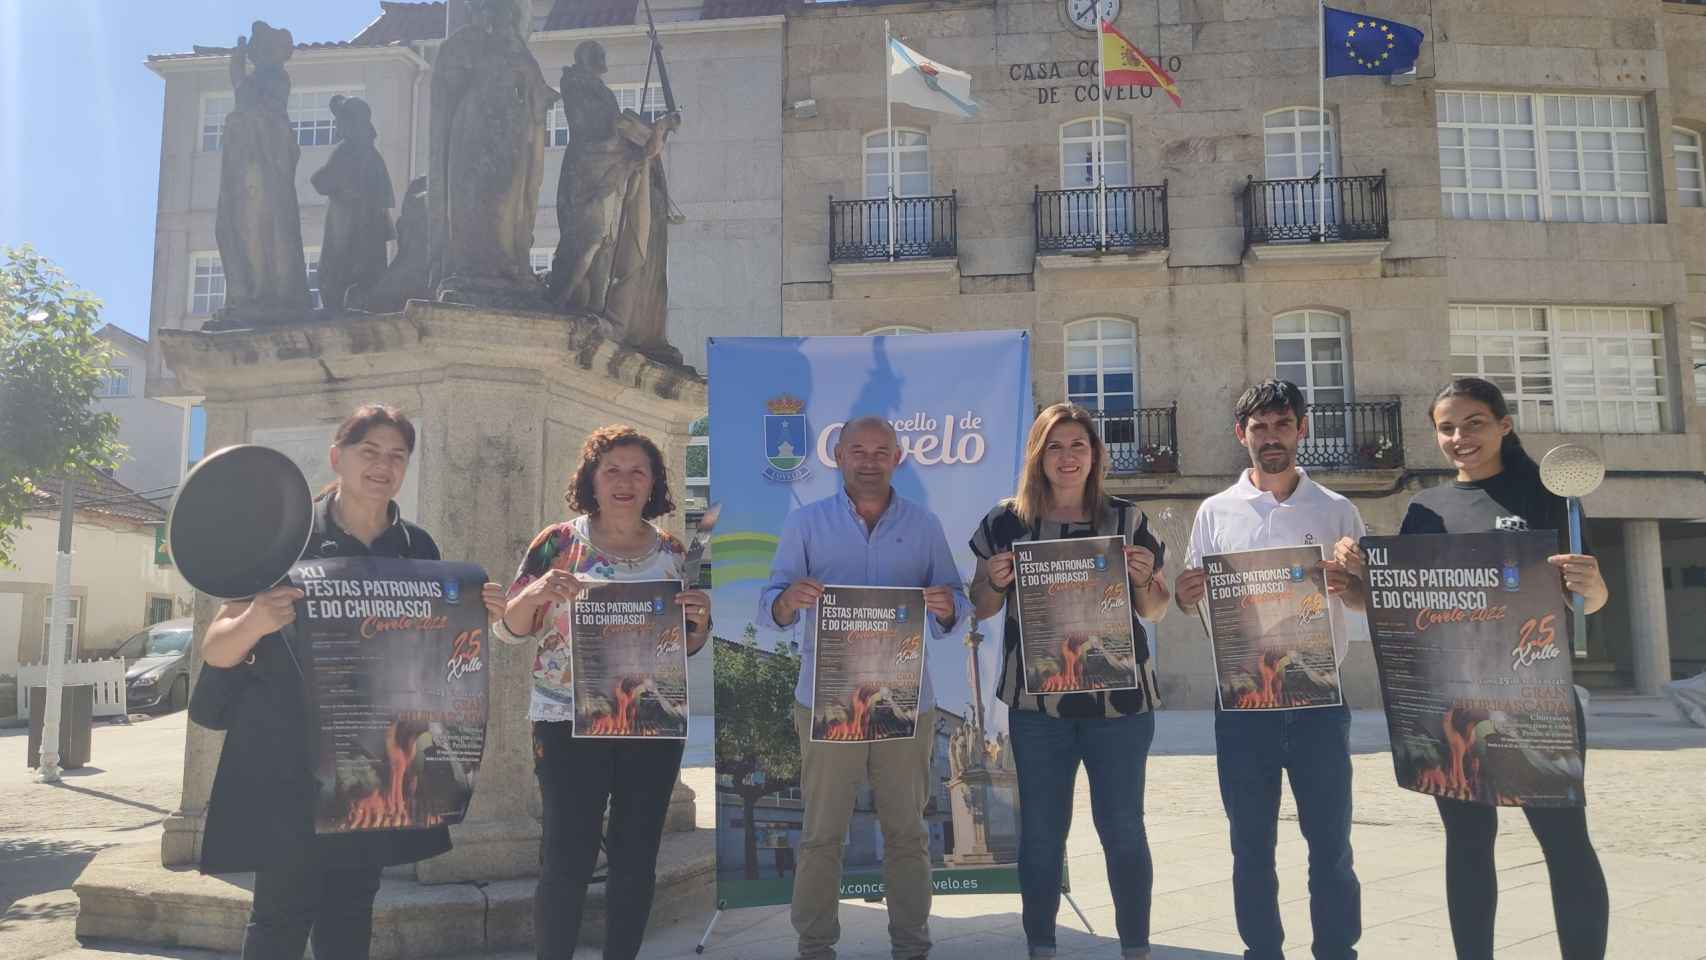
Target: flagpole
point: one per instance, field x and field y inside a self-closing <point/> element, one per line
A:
<point x="1321" y="114"/>
<point x="888" y="109"/>
<point x="1101" y="140"/>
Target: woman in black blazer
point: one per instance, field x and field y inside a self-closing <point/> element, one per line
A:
<point x="261" y="814"/>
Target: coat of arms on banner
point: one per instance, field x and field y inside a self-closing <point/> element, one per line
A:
<point x="786" y="444"/>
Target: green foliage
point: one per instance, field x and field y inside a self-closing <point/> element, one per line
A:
<point x="51" y="365"/>
<point x="755" y="715"/>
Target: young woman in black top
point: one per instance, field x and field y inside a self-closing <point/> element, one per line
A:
<point x="260" y="816"/>
<point x="1498" y="488"/>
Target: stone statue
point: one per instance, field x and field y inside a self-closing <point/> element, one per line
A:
<point x="406" y="278"/>
<point x="612" y="211"/>
<point x="358" y="217"/>
<point x="489" y="100"/>
<point x="259" y="226"/>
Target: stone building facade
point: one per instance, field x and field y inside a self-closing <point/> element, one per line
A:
<point x="1529" y="206"/>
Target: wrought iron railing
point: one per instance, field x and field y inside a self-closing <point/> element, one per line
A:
<point x="1354" y="436"/>
<point x="923" y="227"/>
<point x="1331" y="208"/>
<point x="1141" y="441"/>
<point x="1066" y="219"/>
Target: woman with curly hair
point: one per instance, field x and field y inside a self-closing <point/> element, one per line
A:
<point x="620" y="486"/>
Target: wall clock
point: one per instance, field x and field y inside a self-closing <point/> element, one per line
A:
<point x="1084" y="14"/>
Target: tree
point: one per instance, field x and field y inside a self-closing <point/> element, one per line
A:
<point x="51" y="366"/>
<point x="757" y="748"/>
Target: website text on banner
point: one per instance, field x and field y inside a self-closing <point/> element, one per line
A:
<point x="777" y="407"/>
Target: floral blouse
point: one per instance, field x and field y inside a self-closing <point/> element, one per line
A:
<point x="568" y="546"/>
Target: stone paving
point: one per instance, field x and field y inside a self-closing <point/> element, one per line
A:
<point x="1646" y="783"/>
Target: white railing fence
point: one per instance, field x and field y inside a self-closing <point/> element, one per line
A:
<point x="106" y="675"/>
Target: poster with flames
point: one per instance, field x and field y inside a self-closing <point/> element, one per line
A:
<point x="628" y="645"/>
<point x="392" y="657"/>
<point x="1075" y="615"/>
<point x="1471" y="637"/>
<point x="1271" y="629"/>
<point x="870" y="664"/>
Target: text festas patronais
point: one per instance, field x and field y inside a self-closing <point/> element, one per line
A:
<point x="852" y="619"/>
<point x="1248" y="583"/>
<point x="1044" y="573"/>
<point x="609" y="613"/>
<point x="370" y="598"/>
<point x="1433" y="588"/>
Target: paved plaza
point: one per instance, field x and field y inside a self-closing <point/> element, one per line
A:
<point x="1646" y="783"/>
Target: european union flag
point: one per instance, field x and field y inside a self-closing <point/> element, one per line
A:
<point x="1356" y="44"/>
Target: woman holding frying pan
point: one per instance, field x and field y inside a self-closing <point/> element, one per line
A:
<point x="1498" y="487"/>
<point x="261" y="814"/>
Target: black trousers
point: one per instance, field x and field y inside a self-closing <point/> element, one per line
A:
<point x="577" y="779"/>
<point x="1581" y="907"/>
<point x="333" y="904"/>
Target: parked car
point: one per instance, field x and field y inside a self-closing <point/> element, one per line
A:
<point x="157" y="666"/>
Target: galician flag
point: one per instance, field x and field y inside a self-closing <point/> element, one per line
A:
<point x="922" y="82"/>
<point x="1123" y="65"/>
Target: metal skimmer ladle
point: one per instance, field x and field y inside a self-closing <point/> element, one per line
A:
<point x="1572" y="472"/>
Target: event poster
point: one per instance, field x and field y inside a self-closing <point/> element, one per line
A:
<point x="392" y="653"/>
<point x="1472" y="637"/>
<point x="1075" y="615"/>
<point x="870" y="664"/>
<point x="628" y="650"/>
<point x="777" y="405"/>
<point x="1272" y="630"/>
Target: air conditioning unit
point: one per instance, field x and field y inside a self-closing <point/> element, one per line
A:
<point x="805" y="109"/>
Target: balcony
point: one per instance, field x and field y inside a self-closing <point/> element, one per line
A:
<point x="1141" y="442"/>
<point x="1282" y="216"/>
<point x="924" y="228"/>
<point x="1354" y="436"/>
<point x="1066" y="220"/>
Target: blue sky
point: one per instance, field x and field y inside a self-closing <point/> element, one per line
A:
<point x="80" y="124"/>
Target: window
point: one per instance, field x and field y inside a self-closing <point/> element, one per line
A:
<point x="895" y="330"/>
<point x="214" y="107"/>
<point x="159" y="608"/>
<point x="1690" y="174"/>
<point x="1517" y="156"/>
<point x="539" y="258"/>
<point x="911" y="164"/>
<point x="311" y="258"/>
<point x="1697" y="350"/>
<point x="196" y="445"/>
<point x="71" y="627"/>
<point x="1101" y="365"/>
<point x="1298" y="143"/>
<point x="115" y="384"/>
<point x="650" y="107"/>
<point x="1309" y="350"/>
<point x="311" y="115"/>
<point x="1567" y="369"/>
<point x="1081" y="143"/>
<point x="207" y="284"/>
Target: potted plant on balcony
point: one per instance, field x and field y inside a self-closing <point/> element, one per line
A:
<point x="1380" y="454"/>
<point x="1158" y="458"/>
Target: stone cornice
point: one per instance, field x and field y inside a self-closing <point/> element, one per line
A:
<point x="425" y="339"/>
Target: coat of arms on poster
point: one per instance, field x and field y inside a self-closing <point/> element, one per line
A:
<point x="786" y="443"/>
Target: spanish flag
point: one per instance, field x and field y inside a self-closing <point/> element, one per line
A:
<point x="1123" y="65"/>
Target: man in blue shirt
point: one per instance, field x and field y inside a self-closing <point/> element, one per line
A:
<point x="863" y="535"/>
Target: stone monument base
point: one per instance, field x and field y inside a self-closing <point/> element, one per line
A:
<point x="125" y="894"/>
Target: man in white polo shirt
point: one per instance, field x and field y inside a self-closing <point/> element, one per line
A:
<point x="1275" y="504"/>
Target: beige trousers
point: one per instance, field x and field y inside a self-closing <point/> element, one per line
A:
<point x="830" y="775"/>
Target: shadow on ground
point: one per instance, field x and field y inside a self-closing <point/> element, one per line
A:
<point x="29" y="867"/>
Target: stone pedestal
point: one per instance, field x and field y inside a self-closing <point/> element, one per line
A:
<point x="986" y="822"/>
<point x="502" y="402"/>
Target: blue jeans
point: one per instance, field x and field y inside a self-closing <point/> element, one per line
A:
<point x="1047" y="751"/>
<point x="1312" y="747"/>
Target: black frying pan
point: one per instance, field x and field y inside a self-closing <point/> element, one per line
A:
<point x="239" y="521"/>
